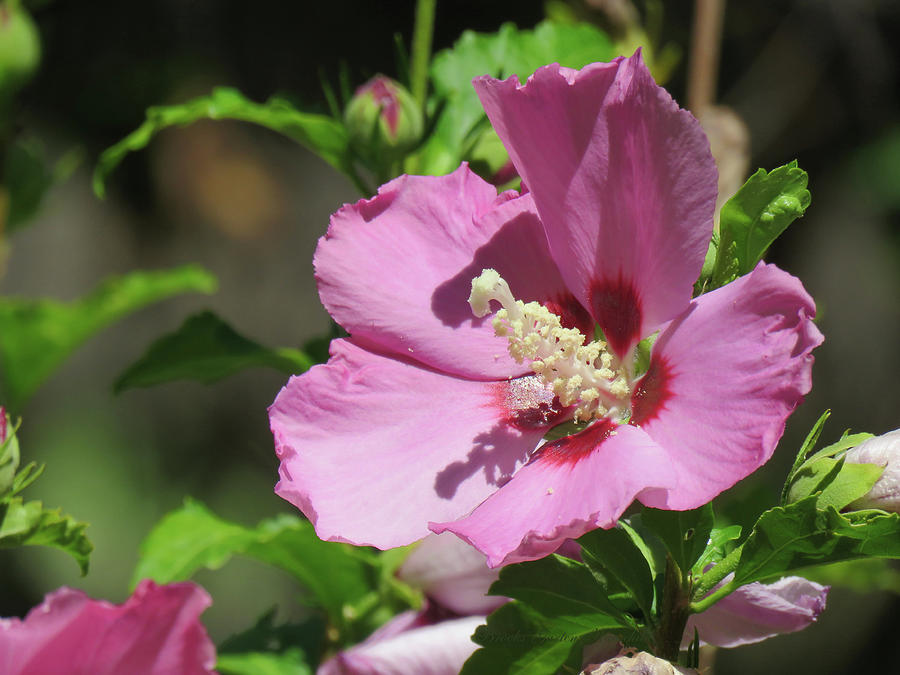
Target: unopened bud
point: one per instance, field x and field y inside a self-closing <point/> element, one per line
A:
<point x="20" y="48"/>
<point x="882" y="451"/>
<point x="383" y="120"/>
<point x="640" y="663"/>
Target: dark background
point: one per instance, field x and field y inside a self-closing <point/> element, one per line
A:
<point x="814" y="80"/>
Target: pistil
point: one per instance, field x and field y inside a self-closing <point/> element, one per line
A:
<point x="584" y="375"/>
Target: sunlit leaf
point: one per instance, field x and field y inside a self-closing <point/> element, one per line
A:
<point x="787" y="539"/>
<point x="834" y="482"/>
<point x="754" y="217"/>
<point x="37" y="335"/>
<point x="321" y="134"/>
<point x="206" y="349"/>
<point x="290" y="662"/>
<point x="193" y="538"/>
<point x="508" y="51"/>
<point x="30" y="524"/>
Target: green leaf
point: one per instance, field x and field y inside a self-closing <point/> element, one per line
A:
<point x="267" y="636"/>
<point x="615" y="552"/>
<point x="561" y="607"/>
<point x="321" y="134"/>
<point x="37" y="335"/>
<point x="206" y="349"/>
<point x="558" y="587"/>
<point x="520" y="641"/>
<point x="837" y="483"/>
<point x="30" y="524"/>
<point x="754" y="217"/>
<point x="501" y="54"/>
<point x="789" y="538"/>
<point x="290" y="662"/>
<point x="685" y="533"/>
<point x="193" y="538"/>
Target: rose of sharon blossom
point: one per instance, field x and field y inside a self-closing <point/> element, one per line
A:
<point x="756" y="612"/>
<point x="157" y="631"/>
<point x="430" y="417"/>
<point x="884" y="451"/>
<point x="409" y="644"/>
<point x="453" y="574"/>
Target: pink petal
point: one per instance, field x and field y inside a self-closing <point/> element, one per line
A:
<point x="439" y="649"/>
<point x="756" y="612"/>
<point x="372" y="448"/>
<point x="571" y="486"/>
<point x="723" y="378"/>
<point x="452" y="573"/>
<point x="156" y="631"/>
<point x="623" y="181"/>
<point x="396" y="270"/>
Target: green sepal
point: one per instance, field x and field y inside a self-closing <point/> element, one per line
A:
<point x="321" y="134"/>
<point x="206" y="349"/>
<point x="36" y="335"/>
<point x="755" y="216"/>
<point x="822" y="471"/>
<point x="835" y="482"/>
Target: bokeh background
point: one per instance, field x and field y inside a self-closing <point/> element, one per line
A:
<point x="814" y="80"/>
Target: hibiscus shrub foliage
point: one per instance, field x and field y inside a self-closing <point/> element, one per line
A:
<point x="551" y="352"/>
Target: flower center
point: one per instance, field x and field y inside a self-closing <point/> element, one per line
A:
<point x="587" y="376"/>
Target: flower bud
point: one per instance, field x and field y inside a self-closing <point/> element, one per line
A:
<point x="20" y="48"/>
<point x="882" y="451"/>
<point x="383" y="120"/>
<point x="640" y="663"/>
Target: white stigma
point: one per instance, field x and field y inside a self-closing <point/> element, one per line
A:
<point x="582" y="375"/>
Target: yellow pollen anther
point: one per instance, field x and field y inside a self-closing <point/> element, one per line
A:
<point x="586" y="376"/>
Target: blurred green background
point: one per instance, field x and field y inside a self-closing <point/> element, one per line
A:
<point x="814" y="80"/>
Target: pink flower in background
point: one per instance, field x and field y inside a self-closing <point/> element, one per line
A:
<point x="429" y="416"/>
<point x="157" y="631"/>
<point x="756" y="612"/>
<point x="409" y="644"/>
<point x="451" y="573"/>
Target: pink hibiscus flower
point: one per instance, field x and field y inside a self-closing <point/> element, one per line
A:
<point x="157" y="631"/>
<point x="429" y="417"/>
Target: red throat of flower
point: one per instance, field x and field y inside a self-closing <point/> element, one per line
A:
<point x="617" y="308"/>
